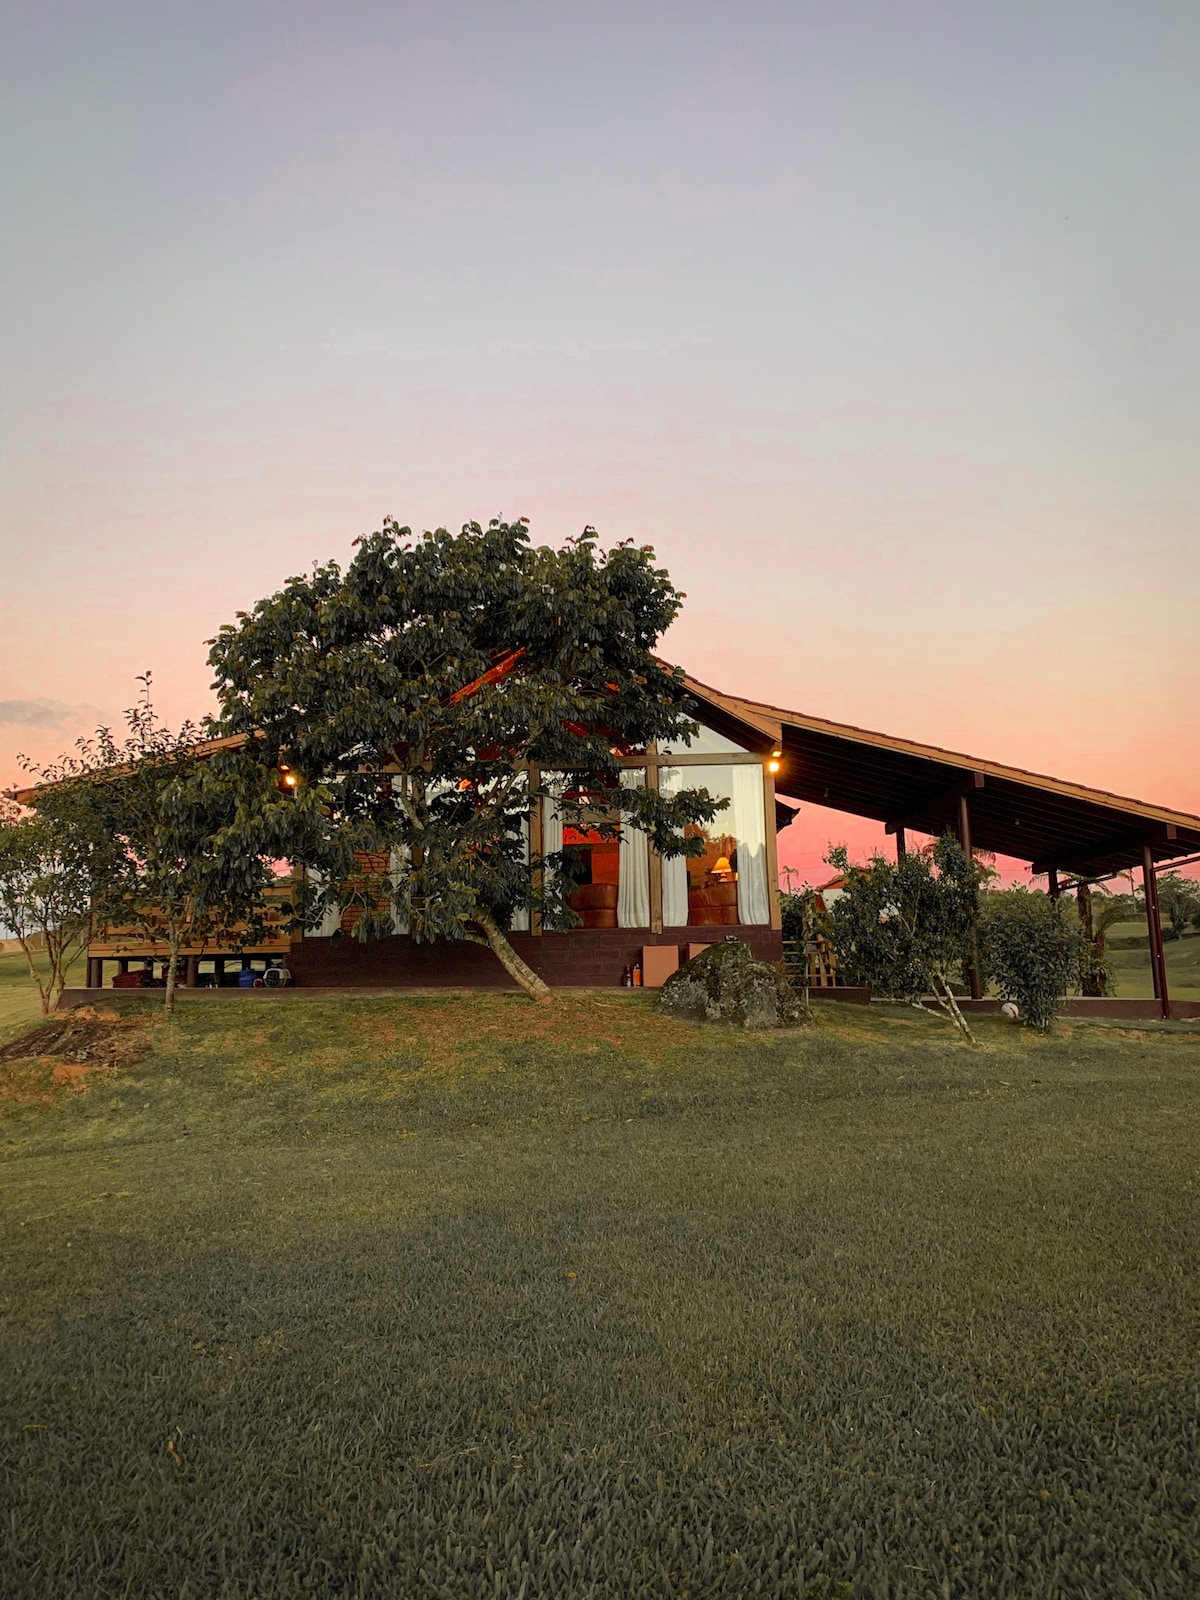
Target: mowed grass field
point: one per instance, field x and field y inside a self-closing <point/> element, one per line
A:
<point x="457" y="1297"/>
<point x="1129" y="962"/>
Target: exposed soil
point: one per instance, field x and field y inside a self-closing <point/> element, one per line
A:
<point x="64" y="1052"/>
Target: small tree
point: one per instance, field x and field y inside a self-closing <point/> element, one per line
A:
<point x="176" y="871"/>
<point x="1034" y="946"/>
<point x="1098" y="912"/>
<point x="905" y="928"/>
<point x="424" y="697"/>
<point x="1179" y="899"/>
<point x="53" y="872"/>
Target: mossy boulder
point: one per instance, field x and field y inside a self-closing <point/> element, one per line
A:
<point x="726" y="984"/>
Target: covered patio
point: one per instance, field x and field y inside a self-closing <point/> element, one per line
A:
<point x="1057" y="827"/>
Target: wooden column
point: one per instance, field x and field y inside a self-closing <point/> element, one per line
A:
<point x="964" y="838"/>
<point x="193" y="972"/>
<point x="964" y="823"/>
<point x="901" y="846"/>
<point x="1052" y="881"/>
<point x="772" y="849"/>
<point x="1158" y="962"/>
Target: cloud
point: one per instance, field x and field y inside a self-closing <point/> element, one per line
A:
<point x="42" y="714"/>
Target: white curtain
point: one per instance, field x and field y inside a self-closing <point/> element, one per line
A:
<point x="520" y="921"/>
<point x="552" y="823"/>
<point x="674" y="868"/>
<point x="633" y="891"/>
<point x="749" y="824"/>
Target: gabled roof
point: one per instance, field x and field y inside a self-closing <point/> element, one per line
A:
<point x="1047" y="821"/>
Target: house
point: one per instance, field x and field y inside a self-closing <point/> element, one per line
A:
<point x="634" y="907"/>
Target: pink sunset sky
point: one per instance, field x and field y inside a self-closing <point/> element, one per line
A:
<point x="877" y="321"/>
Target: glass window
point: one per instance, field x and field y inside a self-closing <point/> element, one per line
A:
<point x="708" y="742"/>
<point x="726" y="884"/>
<point x="610" y="878"/>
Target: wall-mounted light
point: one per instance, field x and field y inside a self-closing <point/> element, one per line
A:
<point x="772" y="766"/>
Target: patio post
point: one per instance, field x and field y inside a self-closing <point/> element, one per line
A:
<point x="901" y="846"/>
<point x="964" y="838"/>
<point x="1158" y="962"/>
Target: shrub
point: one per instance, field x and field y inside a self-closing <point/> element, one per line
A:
<point x="906" y="930"/>
<point x="1034" y="947"/>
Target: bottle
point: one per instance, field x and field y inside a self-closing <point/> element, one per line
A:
<point x="627" y="977"/>
<point x="637" y="974"/>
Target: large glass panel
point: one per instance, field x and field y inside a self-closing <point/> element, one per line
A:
<point x="727" y="883"/>
<point x="708" y="742"/>
<point x="610" y="877"/>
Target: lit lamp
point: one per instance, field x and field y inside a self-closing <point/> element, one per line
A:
<point x="721" y="868"/>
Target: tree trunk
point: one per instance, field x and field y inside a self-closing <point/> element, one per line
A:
<point x="950" y="1005"/>
<point x="55" y="952"/>
<point x="173" y="958"/>
<point x="43" y="992"/>
<point x="508" y="958"/>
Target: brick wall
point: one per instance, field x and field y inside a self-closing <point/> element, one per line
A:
<point x="593" y="956"/>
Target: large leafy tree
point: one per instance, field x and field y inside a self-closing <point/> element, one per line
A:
<point x="190" y="842"/>
<point x="423" y="698"/>
<point x="907" y="928"/>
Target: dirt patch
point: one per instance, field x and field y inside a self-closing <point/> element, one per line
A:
<point x="63" y="1053"/>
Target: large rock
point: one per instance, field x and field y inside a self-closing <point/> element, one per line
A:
<point x="726" y="984"/>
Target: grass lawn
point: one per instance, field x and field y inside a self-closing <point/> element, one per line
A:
<point x="454" y="1297"/>
<point x="1129" y="961"/>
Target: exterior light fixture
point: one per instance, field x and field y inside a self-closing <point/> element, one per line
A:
<point x="772" y="766"/>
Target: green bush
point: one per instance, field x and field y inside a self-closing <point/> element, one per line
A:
<point x="906" y="930"/>
<point x="1033" y="949"/>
